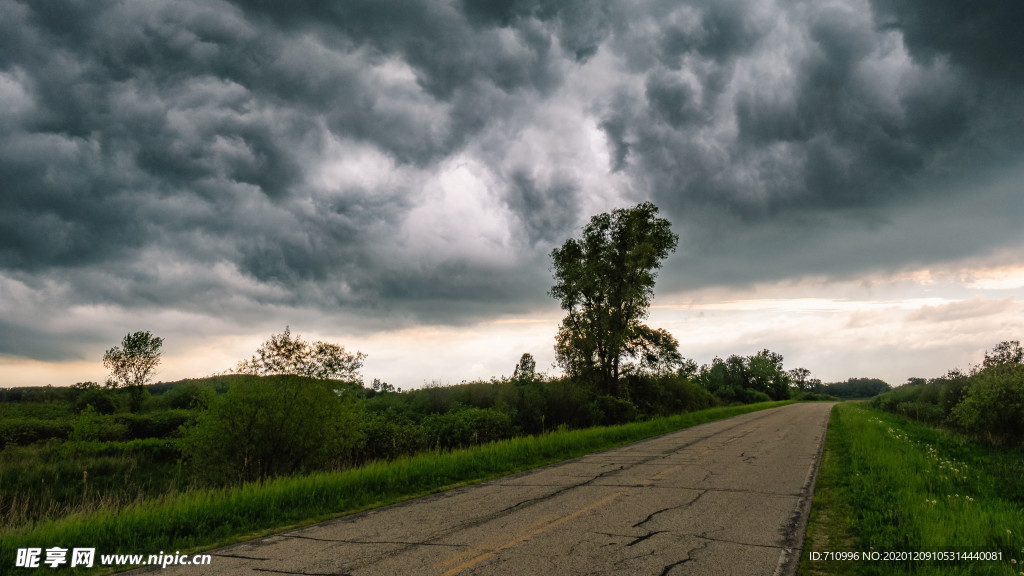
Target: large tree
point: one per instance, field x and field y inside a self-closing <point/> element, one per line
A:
<point x="605" y="281"/>
<point x="133" y="363"/>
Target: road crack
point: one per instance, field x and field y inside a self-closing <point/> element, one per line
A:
<point x="676" y="507"/>
<point x="689" y="557"/>
<point x="645" y="537"/>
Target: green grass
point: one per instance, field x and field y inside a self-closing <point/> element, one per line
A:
<point x="888" y="484"/>
<point x="200" y="519"/>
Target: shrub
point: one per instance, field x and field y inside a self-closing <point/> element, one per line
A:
<point x="614" y="410"/>
<point x="189" y="396"/>
<point x="994" y="404"/>
<point x="466" y="426"/>
<point x="274" y="426"/>
<point x="25" y="431"/>
<point x="103" y="400"/>
<point x="155" y="425"/>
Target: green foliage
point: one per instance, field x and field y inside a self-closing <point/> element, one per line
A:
<point x="104" y="401"/>
<point x="467" y="426"/>
<point x="605" y="282"/>
<point x="857" y="388"/>
<point x="133" y="363"/>
<point x="23" y="431"/>
<point x="87" y="426"/>
<point x="889" y="484"/>
<point x="611" y="410"/>
<point x="50" y="480"/>
<point x="274" y="426"/>
<point x="756" y="378"/>
<point x="986" y="404"/>
<point x="190" y="395"/>
<point x="525" y="370"/>
<point x="993" y="406"/>
<point x="667" y="394"/>
<point x="814" y="397"/>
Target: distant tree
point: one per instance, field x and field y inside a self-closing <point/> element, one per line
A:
<point x="767" y="375"/>
<point x="526" y="369"/>
<point x="133" y="363"/>
<point x="285" y="354"/>
<point x="800" y="378"/>
<point x="862" y="387"/>
<point x="379" y="386"/>
<point x="605" y="282"/>
<point x="1007" y="352"/>
<point x="746" y="379"/>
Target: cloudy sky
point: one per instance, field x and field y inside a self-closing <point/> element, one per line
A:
<point x="845" y="177"/>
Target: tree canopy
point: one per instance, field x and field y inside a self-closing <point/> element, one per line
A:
<point x="605" y="282"/>
<point x="133" y="363"/>
<point x="284" y="354"/>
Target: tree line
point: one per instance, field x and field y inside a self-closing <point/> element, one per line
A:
<point x="985" y="402"/>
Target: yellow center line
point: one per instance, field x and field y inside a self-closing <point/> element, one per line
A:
<point x="544" y="528"/>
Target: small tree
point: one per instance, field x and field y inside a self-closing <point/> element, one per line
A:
<point x="526" y="369"/>
<point x="284" y="354"/>
<point x="133" y="364"/>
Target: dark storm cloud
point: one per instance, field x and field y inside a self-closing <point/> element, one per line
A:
<point x="982" y="38"/>
<point x="233" y="157"/>
<point x="764" y="133"/>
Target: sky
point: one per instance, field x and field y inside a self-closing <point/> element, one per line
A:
<point x="846" y="178"/>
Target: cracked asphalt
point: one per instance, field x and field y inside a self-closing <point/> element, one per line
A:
<point x="727" y="497"/>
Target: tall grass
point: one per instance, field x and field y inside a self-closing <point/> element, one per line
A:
<point x="888" y="484"/>
<point x="204" y="518"/>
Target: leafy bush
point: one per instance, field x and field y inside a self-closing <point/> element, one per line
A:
<point x="87" y="426"/>
<point x="994" y="404"/>
<point x="814" y="397"/>
<point x="857" y="388"/>
<point x="612" y="410"/>
<point x="389" y="436"/>
<point x="467" y="426"/>
<point x="189" y="396"/>
<point x="154" y="425"/>
<point x="104" y="400"/>
<point x="274" y="426"/>
<point x="23" y="431"/>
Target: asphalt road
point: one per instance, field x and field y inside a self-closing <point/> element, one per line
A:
<point x="728" y="497"/>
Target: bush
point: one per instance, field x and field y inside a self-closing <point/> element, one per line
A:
<point x="23" y="431"/>
<point x="612" y="410"/>
<point x="189" y="396"/>
<point x="155" y="425"/>
<point x="994" y="404"/>
<point x="274" y="426"/>
<point x="389" y="436"/>
<point x="103" y="400"/>
<point x="467" y="426"/>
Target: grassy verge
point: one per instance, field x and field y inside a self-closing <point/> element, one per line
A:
<point x="205" y="518"/>
<point x="888" y="484"/>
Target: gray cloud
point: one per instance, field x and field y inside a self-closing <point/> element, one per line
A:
<point x="401" y="162"/>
